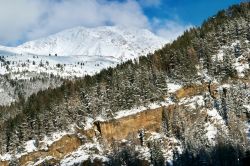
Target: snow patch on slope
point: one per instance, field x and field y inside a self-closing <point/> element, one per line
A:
<point x="211" y="126"/>
<point x="211" y="132"/>
<point x="49" y="140"/>
<point x="248" y="130"/>
<point x="83" y="153"/>
<point x="193" y="102"/>
<point x="240" y="67"/>
<point x="124" y="113"/>
<point x="30" y="146"/>
<point x="173" y="87"/>
<point x="41" y="160"/>
<point x="247" y="107"/>
<point x="5" y="157"/>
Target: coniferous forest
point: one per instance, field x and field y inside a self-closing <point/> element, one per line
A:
<point x="191" y="60"/>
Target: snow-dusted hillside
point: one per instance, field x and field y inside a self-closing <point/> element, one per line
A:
<point x="80" y="50"/>
<point x="21" y="66"/>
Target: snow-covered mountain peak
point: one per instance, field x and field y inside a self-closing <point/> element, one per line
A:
<point x="118" y="42"/>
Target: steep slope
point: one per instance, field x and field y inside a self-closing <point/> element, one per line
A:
<point x="203" y="77"/>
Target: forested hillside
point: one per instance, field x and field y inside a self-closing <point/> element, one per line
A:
<point x="214" y="57"/>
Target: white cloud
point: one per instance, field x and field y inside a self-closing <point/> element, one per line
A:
<point x="22" y="20"/>
<point x="16" y="16"/>
<point x="30" y="19"/>
<point x="170" y="29"/>
<point x="129" y="14"/>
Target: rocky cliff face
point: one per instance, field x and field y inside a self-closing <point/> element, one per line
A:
<point x="149" y="120"/>
<point x="56" y="151"/>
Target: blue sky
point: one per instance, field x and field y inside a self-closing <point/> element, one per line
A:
<point x="24" y="20"/>
<point x="188" y="11"/>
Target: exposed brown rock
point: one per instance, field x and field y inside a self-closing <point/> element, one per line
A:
<point x="33" y="156"/>
<point x="57" y="150"/>
<point x="4" y="163"/>
<point x="192" y="90"/>
<point x="90" y="133"/>
<point x="150" y="120"/>
<point x="65" y="145"/>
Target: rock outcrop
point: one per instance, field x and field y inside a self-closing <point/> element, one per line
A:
<point x="57" y="150"/>
<point x="150" y="120"/>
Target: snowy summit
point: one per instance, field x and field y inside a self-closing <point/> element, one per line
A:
<point x="115" y="41"/>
